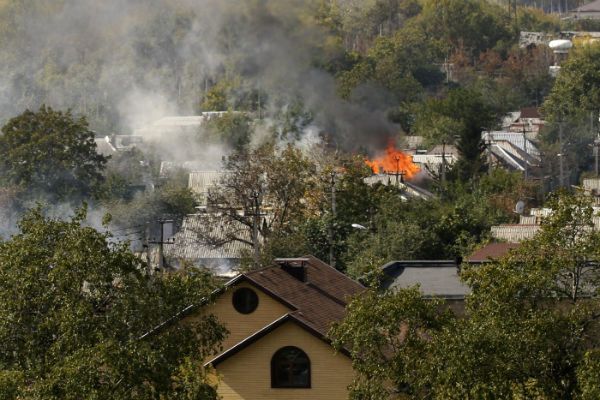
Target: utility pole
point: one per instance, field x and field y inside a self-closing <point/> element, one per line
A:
<point x="443" y="175"/>
<point x="489" y="151"/>
<point x="255" y="222"/>
<point x="398" y="173"/>
<point x="332" y="222"/>
<point x="397" y="158"/>
<point x="526" y="154"/>
<point x="596" y="145"/>
<point x="596" y="152"/>
<point x="161" y="242"/>
<point x="561" y="155"/>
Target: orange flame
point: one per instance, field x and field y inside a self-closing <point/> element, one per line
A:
<point x="394" y="161"/>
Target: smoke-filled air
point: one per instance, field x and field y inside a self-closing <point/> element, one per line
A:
<point x="316" y="199"/>
<point x="127" y="63"/>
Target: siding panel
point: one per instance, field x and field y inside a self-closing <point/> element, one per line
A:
<point x="247" y="374"/>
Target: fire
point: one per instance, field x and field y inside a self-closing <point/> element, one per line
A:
<point x="393" y="161"/>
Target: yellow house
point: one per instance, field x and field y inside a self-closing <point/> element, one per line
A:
<point x="278" y="318"/>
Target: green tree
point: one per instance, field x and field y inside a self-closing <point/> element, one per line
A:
<point x="468" y="108"/>
<point x="529" y="328"/>
<point x="260" y="193"/>
<point x="75" y="308"/>
<point x="476" y="25"/>
<point x="51" y="152"/>
<point x="385" y="334"/>
<point x="232" y="128"/>
<point x="577" y="87"/>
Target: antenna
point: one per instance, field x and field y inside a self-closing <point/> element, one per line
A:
<point x="520" y="207"/>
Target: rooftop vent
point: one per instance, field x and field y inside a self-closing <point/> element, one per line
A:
<point x="296" y="267"/>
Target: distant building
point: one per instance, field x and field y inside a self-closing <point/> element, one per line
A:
<point x="433" y="159"/>
<point x="529" y="225"/>
<point x="105" y="147"/>
<point x="436" y="278"/>
<point x="491" y="252"/>
<point x="408" y="189"/>
<point x="591" y="187"/>
<point x="528" y="121"/>
<point x="511" y="150"/>
<point x="221" y="254"/>
<point x="201" y="182"/>
<point x="587" y="11"/>
<point x="178" y="124"/>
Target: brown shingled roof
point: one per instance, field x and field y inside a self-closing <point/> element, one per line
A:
<point x="320" y="301"/>
<point x="491" y="251"/>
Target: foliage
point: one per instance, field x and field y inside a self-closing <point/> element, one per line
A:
<point x="577" y="87"/>
<point x="402" y="64"/>
<point x="170" y="198"/>
<point x="233" y="129"/>
<point x="433" y="229"/>
<point x="385" y="335"/>
<point x="474" y="115"/>
<point x="476" y="25"/>
<point x="126" y="172"/>
<point x="528" y="330"/>
<point x="75" y="306"/>
<point x="260" y="193"/>
<point x="52" y="153"/>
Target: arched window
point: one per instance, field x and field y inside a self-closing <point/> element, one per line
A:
<point x="290" y="368"/>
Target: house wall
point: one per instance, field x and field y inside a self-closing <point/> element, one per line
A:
<point x="240" y="326"/>
<point x="247" y="374"/>
<point x="587" y="15"/>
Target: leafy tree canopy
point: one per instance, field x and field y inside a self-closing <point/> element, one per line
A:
<point x="74" y="308"/>
<point x="577" y="87"/>
<point x="51" y="152"/>
<point x="529" y="328"/>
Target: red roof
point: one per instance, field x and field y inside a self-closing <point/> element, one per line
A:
<point x="530" y="112"/>
<point x="491" y="251"/>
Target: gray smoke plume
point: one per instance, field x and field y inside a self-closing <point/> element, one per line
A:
<point x="125" y="63"/>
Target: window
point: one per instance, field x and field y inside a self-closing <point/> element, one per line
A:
<point x="245" y="300"/>
<point x="290" y="368"/>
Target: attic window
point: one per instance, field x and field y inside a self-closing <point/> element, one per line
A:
<point x="290" y="368"/>
<point x="245" y="300"/>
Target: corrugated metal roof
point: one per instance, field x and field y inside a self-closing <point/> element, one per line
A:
<point x="592" y="184"/>
<point x="408" y="188"/>
<point x="507" y="157"/>
<point x="516" y="138"/>
<point x="188" y="245"/>
<point x="104" y="147"/>
<point x="201" y="181"/>
<point x="514" y="233"/>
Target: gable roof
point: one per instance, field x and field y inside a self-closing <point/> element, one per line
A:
<point x="436" y="278"/>
<point x="289" y="317"/>
<point x="317" y="302"/>
<point x="104" y="146"/>
<point x="491" y="251"/>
